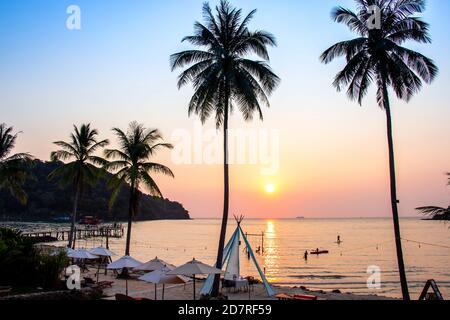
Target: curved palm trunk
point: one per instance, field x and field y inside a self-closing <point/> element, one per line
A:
<point x="226" y="200"/>
<point x="72" y="234"/>
<point x="394" y="200"/>
<point x="130" y="220"/>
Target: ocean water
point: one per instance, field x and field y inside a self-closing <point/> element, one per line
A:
<point x="366" y="243"/>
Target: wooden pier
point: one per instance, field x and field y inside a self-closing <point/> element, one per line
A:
<point x="81" y="233"/>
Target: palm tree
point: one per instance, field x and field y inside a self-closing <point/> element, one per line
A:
<point x="131" y="166"/>
<point x="83" y="168"/>
<point x="13" y="168"/>
<point x="377" y="56"/>
<point x="437" y="213"/>
<point x="223" y="77"/>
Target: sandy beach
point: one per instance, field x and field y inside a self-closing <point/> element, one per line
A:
<point x="140" y="289"/>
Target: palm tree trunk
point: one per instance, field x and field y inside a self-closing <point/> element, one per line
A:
<point x="72" y="234"/>
<point x="394" y="199"/>
<point x="226" y="199"/>
<point x="130" y="220"/>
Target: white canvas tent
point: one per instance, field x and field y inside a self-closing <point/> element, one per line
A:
<point x="231" y="258"/>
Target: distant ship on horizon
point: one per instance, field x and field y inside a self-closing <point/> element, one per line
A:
<point x="301" y="218"/>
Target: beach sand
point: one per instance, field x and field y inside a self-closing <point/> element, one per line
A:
<point x="140" y="289"/>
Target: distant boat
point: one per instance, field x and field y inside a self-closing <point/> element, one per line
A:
<point x="300" y="218"/>
<point x="319" y="252"/>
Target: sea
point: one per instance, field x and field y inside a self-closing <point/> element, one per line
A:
<point x="364" y="262"/>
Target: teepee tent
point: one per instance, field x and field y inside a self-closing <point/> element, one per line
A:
<point x="231" y="260"/>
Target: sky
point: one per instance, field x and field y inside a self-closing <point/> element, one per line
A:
<point x="331" y="152"/>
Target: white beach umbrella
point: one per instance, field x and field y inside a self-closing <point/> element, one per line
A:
<point x="126" y="262"/>
<point x="82" y="254"/>
<point x="153" y="265"/>
<point x="68" y="250"/>
<point x="102" y="252"/>
<point x="194" y="268"/>
<point x="161" y="277"/>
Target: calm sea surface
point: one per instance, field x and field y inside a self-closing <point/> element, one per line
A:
<point x="366" y="242"/>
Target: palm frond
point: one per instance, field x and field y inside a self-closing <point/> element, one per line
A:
<point x="434" y="212"/>
<point x="157" y="168"/>
<point x="351" y="20"/>
<point x="377" y="56"/>
<point x="221" y="65"/>
<point x="13" y="168"/>
<point x="151" y="185"/>
<point x="81" y="150"/>
<point x="130" y="163"/>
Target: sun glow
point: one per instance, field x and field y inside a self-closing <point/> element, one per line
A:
<point x="270" y="188"/>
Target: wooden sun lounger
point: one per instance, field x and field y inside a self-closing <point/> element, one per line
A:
<point x="122" y="297"/>
<point x="104" y="284"/>
<point x="284" y="297"/>
<point x="4" y="291"/>
<point x="297" y="297"/>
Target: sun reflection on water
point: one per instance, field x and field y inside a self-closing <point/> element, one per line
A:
<point x="270" y="256"/>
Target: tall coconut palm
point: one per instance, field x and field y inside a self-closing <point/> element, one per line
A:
<point x="378" y="56"/>
<point x="224" y="76"/>
<point x="131" y="165"/>
<point x="84" y="167"/>
<point x="13" y="168"/>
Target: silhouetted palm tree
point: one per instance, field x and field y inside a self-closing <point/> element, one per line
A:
<point x="224" y="77"/>
<point x="13" y="168"/>
<point x="377" y="56"/>
<point x="82" y="169"/>
<point x="436" y="212"/>
<point x="131" y="166"/>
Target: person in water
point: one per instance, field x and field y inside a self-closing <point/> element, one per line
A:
<point x="306" y="256"/>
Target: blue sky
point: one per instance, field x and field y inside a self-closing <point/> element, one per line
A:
<point x="116" y="69"/>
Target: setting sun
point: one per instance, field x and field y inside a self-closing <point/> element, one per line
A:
<point x="270" y="188"/>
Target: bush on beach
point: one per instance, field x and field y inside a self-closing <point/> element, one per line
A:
<point x="22" y="265"/>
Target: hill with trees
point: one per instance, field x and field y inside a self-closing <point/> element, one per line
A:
<point x="48" y="201"/>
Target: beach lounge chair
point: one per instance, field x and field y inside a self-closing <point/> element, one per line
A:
<point x="284" y="297"/>
<point x="89" y="281"/>
<point x="4" y="291"/>
<point x="305" y="297"/>
<point x="103" y="284"/>
<point x="297" y="297"/>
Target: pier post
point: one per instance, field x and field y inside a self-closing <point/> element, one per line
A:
<point x="262" y="238"/>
